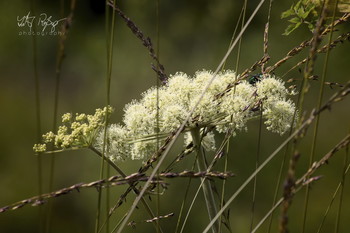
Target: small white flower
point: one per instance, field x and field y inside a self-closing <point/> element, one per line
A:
<point x="279" y="116"/>
<point x="116" y="142"/>
<point x="270" y="88"/>
<point x="80" y="117"/>
<point x="66" y="117"/>
<point x="208" y="108"/>
<point x="138" y="119"/>
<point x="142" y="150"/>
<point x="179" y="90"/>
<point x="171" y="118"/>
<point x="39" y="148"/>
<point x="235" y="106"/>
<point x="48" y="137"/>
<point x="79" y="133"/>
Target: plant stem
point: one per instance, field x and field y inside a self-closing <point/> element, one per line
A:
<point x="207" y="190"/>
<point x="38" y="119"/>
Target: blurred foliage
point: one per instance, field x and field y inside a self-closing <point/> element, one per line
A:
<point x="308" y="11"/>
<point x="302" y="12"/>
<point x="194" y="35"/>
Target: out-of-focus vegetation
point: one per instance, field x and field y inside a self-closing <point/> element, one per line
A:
<point x="193" y="35"/>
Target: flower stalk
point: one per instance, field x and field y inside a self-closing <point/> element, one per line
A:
<point x="202" y="166"/>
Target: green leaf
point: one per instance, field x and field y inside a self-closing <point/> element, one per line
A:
<point x="311" y="27"/>
<point x="297" y="6"/>
<point x="301" y="12"/>
<point x="291" y="28"/>
<point x="287" y="13"/>
<point x="309" y="11"/>
<point x="295" y="20"/>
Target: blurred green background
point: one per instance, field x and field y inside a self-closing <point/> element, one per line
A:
<point x="193" y="35"/>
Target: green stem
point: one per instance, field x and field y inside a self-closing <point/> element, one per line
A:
<point x="319" y="104"/>
<point x="342" y="187"/>
<point x="207" y="190"/>
<point x="38" y="119"/>
<point x="240" y="39"/>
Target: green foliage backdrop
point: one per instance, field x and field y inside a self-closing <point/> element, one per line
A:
<point x="193" y="35"/>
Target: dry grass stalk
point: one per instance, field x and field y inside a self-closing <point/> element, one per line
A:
<point x="115" y="181"/>
<point x="146" y="41"/>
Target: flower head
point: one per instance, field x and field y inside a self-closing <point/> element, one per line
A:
<point x="279" y="116"/>
<point x="162" y="110"/>
<point x="79" y="133"/>
<point x="116" y="142"/>
<point x="271" y="89"/>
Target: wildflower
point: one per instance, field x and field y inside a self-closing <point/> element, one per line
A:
<point x="80" y="117"/>
<point x="139" y="119"/>
<point x="80" y="133"/>
<point x="172" y="117"/>
<point x="279" y="116"/>
<point x="208" y="107"/>
<point x="66" y="117"/>
<point x="39" y="148"/>
<point x="235" y="105"/>
<point x="116" y="142"/>
<point x="48" y="137"/>
<point x="179" y="96"/>
<point x="271" y="89"/>
<point x="179" y="90"/>
<point x="162" y="110"/>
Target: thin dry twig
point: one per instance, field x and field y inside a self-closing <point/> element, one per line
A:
<point x="244" y="75"/>
<point x="324" y="160"/>
<point x="340" y="95"/>
<point x="133" y="223"/>
<point x="303" y="182"/>
<point x="288" y="193"/>
<point x="340" y="39"/>
<point x="266" y="43"/>
<point x="114" y="181"/>
<point x="290" y="54"/>
<point x="296" y="50"/>
<point x="160" y="217"/>
<point x="146" y="41"/>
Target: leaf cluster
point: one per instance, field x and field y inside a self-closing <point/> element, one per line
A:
<point x="303" y="12"/>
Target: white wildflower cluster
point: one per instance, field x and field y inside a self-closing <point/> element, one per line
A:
<point x="162" y="110"/>
<point x="76" y="131"/>
<point x="277" y="109"/>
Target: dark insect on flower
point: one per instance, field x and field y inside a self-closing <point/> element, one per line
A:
<point x="255" y="78"/>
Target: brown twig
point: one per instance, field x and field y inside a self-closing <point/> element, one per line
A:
<point x="266" y="43"/>
<point x="289" y="55"/>
<point x="296" y="50"/>
<point x="340" y="39"/>
<point x="114" y="181"/>
<point x="303" y="181"/>
<point x="243" y="75"/>
<point x="288" y="193"/>
<point x="146" y="41"/>
<point x="160" y="217"/>
<point x="324" y="160"/>
<point x="158" y="154"/>
<point x="133" y="223"/>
